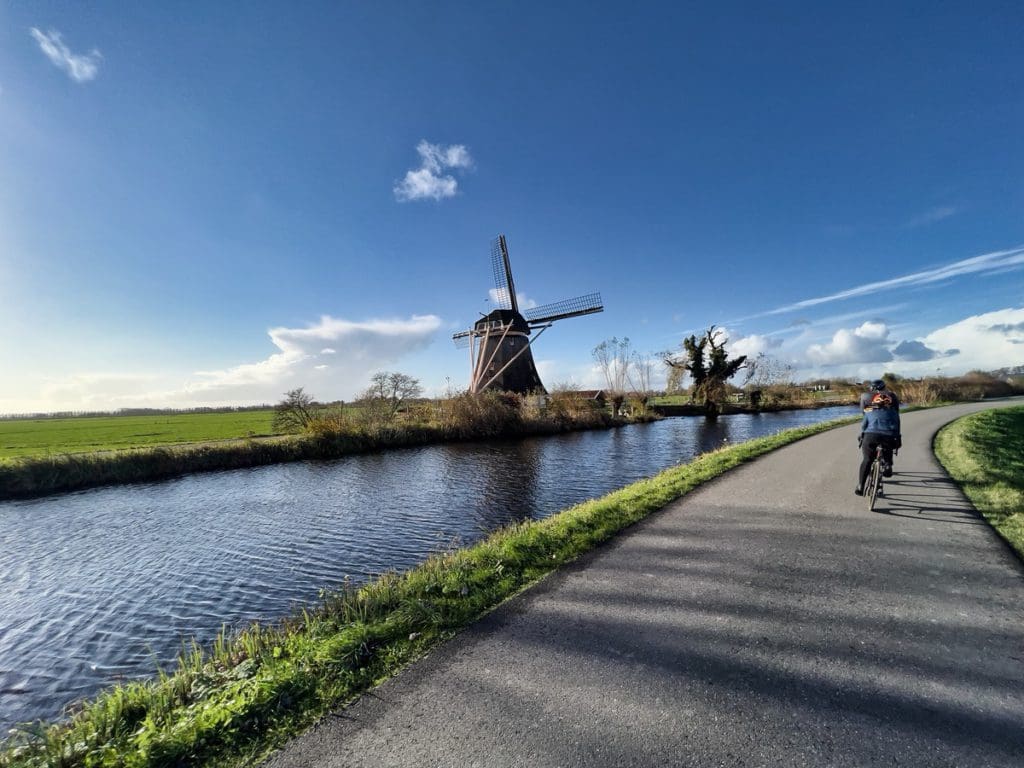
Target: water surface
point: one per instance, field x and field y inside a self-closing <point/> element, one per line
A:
<point x="107" y="584"/>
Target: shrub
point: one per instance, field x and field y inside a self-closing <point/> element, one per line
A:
<point x="295" y="412"/>
<point x="328" y="423"/>
<point x="486" y="414"/>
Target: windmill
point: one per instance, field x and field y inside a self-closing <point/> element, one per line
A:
<point x="499" y="343"/>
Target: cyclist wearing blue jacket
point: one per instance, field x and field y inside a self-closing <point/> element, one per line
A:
<point x="881" y="426"/>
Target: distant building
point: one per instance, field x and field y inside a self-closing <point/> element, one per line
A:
<point x="597" y="395"/>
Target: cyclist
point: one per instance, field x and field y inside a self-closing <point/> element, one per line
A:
<point x="881" y="426"/>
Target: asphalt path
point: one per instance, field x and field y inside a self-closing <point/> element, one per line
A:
<point x="766" y="619"/>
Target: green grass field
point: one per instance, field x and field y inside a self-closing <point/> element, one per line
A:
<point x="40" y="437"/>
<point x="984" y="453"/>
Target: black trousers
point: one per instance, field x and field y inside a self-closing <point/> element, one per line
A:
<point x="867" y="448"/>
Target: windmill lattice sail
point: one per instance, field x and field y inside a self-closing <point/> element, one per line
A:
<point x="500" y="342"/>
<point x="559" y="310"/>
<point x="504" y="286"/>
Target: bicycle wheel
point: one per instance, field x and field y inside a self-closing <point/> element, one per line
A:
<point x="874" y="483"/>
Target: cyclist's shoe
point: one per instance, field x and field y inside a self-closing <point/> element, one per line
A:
<point x="887" y="470"/>
<point x="859" y="490"/>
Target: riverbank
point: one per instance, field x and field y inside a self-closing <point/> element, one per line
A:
<point x="984" y="453"/>
<point x="248" y="694"/>
<point x="57" y="473"/>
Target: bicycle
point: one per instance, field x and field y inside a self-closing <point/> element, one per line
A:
<point x="873" y="488"/>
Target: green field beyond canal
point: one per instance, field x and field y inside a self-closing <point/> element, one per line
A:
<point x="82" y="434"/>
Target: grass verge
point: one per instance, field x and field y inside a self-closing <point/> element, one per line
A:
<point x="984" y="454"/>
<point x="248" y="694"/>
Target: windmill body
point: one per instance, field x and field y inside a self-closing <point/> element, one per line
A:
<point x="504" y="360"/>
<point x="500" y="342"/>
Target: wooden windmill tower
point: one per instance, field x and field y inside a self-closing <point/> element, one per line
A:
<point x="499" y="343"/>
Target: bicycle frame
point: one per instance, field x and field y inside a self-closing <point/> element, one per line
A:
<point x="874" y="485"/>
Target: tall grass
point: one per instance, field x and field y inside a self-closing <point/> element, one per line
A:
<point x="984" y="453"/>
<point x="247" y="694"/>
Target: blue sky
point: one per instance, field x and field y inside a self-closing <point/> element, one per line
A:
<point x="206" y="205"/>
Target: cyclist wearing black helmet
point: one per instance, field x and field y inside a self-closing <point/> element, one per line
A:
<point x="881" y="426"/>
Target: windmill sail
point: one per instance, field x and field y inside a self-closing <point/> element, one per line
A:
<point x="461" y="339"/>
<point x="505" y="288"/>
<point x="582" y="305"/>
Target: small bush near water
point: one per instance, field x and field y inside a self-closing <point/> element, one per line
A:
<point x="234" y="702"/>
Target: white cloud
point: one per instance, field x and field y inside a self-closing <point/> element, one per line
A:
<point x="752" y="345"/>
<point x="986" y="263"/>
<point x="499" y="296"/>
<point x="555" y="373"/>
<point x="303" y="359"/>
<point x="988" y="341"/>
<point x="80" y="68"/>
<point x="933" y="215"/>
<point x="437" y="158"/>
<point x="867" y="343"/>
<point x="357" y="350"/>
<point x="428" y="182"/>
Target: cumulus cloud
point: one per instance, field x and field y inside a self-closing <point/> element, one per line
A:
<point x="988" y="341"/>
<point x="753" y="345"/>
<point x="985" y="342"/>
<point x="429" y="181"/>
<point x="80" y="68"/>
<point x="867" y="343"/>
<point x="355" y="349"/>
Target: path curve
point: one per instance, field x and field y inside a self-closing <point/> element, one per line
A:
<point x="766" y="619"/>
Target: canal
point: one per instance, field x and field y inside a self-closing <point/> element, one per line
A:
<point x="107" y="584"/>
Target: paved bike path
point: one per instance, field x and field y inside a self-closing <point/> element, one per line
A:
<point x="767" y="619"/>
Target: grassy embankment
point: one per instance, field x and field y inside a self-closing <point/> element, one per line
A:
<point x="984" y="453"/>
<point x="248" y="694"/>
<point x="468" y="419"/>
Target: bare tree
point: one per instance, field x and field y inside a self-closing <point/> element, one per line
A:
<point x="676" y="374"/>
<point x="639" y="374"/>
<point x="295" y="412"/>
<point x="613" y="357"/>
<point x="387" y="393"/>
